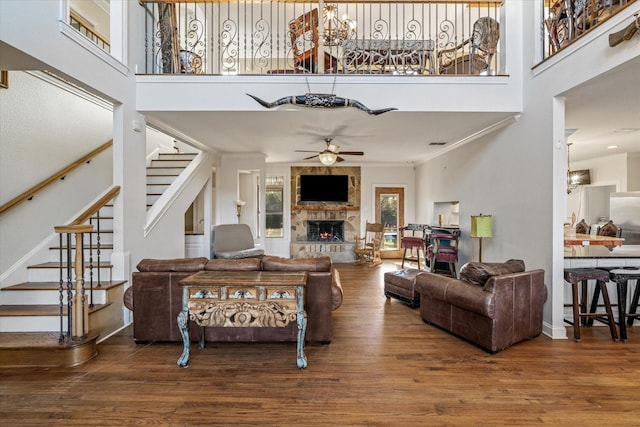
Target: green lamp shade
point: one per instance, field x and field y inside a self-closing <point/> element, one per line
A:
<point x="481" y="226"/>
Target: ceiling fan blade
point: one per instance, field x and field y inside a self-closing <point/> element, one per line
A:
<point x="310" y="157"/>
<point x="353" y="153"/>
<point x="339" y="159"/>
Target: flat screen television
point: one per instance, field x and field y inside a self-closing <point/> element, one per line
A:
<point x="324" y="188"/>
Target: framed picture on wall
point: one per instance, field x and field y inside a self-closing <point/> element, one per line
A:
<point x="4" y="79"/>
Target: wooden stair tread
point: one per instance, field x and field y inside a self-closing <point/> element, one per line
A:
<point x="43" y="350"/>
<point x="41" y="310"/>
<point x="73" y="247"/>
<point x="55" y="264"/>
<point x="54" y="286"/>
<point x="35" y="339"/>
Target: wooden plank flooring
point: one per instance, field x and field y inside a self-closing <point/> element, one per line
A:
<point x="385" y="367"/>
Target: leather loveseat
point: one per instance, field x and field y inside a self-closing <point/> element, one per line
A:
<point x="493" y="305"/>
<point x="155" y="297"/>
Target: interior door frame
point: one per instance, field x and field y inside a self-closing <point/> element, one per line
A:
<point x="378" y="191"/>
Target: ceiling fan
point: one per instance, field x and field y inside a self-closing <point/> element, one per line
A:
<point x="330" y="155"/>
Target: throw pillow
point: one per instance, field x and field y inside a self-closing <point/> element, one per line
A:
<point x="478" y="273"/>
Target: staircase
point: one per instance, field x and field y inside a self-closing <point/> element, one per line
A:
<point x="163" y="171"/>
<point x="30" y="311"/>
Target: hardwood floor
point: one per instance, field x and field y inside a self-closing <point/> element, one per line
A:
<point x="385" y="367"/>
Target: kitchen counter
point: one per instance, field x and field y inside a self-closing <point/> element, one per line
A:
<point x="601" y="256"/>
<point x="624" y="251"/>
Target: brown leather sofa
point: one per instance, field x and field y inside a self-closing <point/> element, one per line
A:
<point x="155" y="297"/>
<point x="492" y="305"/>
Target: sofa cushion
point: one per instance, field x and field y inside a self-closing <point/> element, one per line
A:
<point x="244" y="264"/>
<point x="245" y="253"/>
<point x="274" y="263"/>
<point x="478" y="273"/>
<point x="176" y="264"/>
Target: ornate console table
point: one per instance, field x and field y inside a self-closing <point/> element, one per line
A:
<point x="397" y="56"/>
<point x="251" y="299"/>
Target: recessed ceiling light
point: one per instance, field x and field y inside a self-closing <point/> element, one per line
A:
<point x="611" y="147"/>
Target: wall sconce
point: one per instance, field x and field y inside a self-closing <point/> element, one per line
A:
<point x="239" y="204"/>
<point x="481" y="228"/>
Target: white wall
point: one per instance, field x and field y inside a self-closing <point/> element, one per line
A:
<point x="608" y="175"/>
<point x="228" y="190"/>
<point x="38" y="139"/>
<point x="518" y="174"/>
<point x="381" y="176"/>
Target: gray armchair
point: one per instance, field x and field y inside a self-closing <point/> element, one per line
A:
<point x="233" y="241"/>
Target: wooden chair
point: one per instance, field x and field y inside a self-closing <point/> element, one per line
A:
<point x="477" y="57"/>
<point x="609" y="230"/>
<point x="367" y="249"/>
<point x="303" y="32"/>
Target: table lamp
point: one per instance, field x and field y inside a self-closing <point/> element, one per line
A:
<point x="480" y="228"/>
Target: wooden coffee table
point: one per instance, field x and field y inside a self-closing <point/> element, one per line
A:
<point x="251" y="299"/>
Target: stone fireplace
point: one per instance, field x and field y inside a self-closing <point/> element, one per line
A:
<point x="325" y="228"/>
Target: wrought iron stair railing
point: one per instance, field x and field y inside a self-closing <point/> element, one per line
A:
<point x="74" y="297"/>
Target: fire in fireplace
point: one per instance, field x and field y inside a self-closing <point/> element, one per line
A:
<point x="325" y="231"/>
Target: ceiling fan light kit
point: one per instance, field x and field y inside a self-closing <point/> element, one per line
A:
<point x="330" y="155"/>
<point x="327" y="158"/>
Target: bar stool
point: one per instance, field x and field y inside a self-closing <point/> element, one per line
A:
<point x="413" y="242"/>
<point x="577" y="276"/>
<point x="621" y="276"/>
<point x="443" y="250"/>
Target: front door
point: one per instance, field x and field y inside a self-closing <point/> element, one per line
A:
<point x="390" y="211"/>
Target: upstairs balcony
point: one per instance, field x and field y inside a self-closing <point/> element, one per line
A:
<point x="247" y="37"/>
<point x="418" y="37"/>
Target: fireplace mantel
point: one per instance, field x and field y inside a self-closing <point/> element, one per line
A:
<point x="324" y="208"/>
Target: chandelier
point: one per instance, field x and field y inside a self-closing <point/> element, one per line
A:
<point x="336" y="29"/>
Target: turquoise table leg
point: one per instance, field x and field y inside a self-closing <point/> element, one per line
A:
<point x="183" y="325"/>
<point x="302" y="329"/>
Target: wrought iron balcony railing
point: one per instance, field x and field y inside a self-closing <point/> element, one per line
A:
<point x="567" y="20"/>
<point x="344" y="37"/>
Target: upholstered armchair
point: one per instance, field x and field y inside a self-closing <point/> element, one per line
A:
<point x="232" y="241"/>
<point x="475" y="54"/>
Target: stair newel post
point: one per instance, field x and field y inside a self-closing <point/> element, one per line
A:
<point x="69" y="290"/>
<point x="78" y="312"/>
<point x="98" y="244"/>
<point x="61" y="290"/>
<point x="91" y="266"/>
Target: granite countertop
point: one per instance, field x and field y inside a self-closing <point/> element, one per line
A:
<point x="624" y="251"/>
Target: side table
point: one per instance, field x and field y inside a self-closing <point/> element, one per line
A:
<point x="251" y="299"/>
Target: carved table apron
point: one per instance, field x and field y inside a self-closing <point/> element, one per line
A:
<point x="251" y="299"/>
<point x="401" y="56"/>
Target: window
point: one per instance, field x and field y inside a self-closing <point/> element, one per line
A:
<point x="274" y="206"/>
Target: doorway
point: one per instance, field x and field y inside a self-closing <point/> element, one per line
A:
<point x="389" y="205"/>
